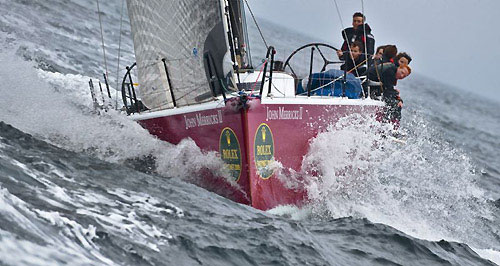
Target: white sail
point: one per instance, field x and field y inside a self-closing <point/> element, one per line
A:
<point x="183" y="32"/>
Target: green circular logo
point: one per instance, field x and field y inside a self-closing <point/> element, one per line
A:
<point x="229" y="149"/>
<point x="263" y="150"/>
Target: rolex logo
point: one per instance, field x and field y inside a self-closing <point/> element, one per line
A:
<point x="263" y="130"/>
<point x="228" y="138"/>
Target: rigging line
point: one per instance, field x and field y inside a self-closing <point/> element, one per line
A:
<point x="345" y="34"/>
<point x="378" y="75"/>
<point x="119" y="56"/>
<point x="366" y="40"/>
<point x="258" y="77"/>
<point x="358" y="65"/>
<point x="256" y="24"/>
<point x="102" y="38"/>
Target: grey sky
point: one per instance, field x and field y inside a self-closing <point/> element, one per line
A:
<point x="455" y="41"/>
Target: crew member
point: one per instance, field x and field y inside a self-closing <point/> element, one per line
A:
<point x="379" y="53"/>
<point x="354" y="62"/>
<point x="357" y="33"/>
<point x="390" y="51"/>
<point x="388" y="74"/>
<point x="402" y="59"/>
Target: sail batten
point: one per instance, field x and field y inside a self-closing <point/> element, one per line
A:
<point x="182" y="32"/>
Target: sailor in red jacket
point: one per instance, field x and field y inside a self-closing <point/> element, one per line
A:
<point x="357" y="33"/>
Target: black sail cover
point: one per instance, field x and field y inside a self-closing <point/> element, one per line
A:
<point x="185" y="33"/>
<point x="239" y="32"/>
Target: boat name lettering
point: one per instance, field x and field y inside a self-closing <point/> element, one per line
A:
<point x="283" y="114"/>
<point x="203" y="120"/>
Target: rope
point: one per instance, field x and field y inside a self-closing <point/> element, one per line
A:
<point x="364" y="29"/>
<point x="119" y="56"/>
<point x="102" y="38"/>
<point x="378" y="76"/>
<point x="356" y="67"/>
<point x="345" y="34"/>
<point x="258" y="77"/>
<point x="256" y="24"/>
<point x="366" y="41"/>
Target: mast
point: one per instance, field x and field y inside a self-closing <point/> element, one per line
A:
<point x="238" y="34"/>
<point x="229" y="32"/>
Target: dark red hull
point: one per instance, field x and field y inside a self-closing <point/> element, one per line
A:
<point x="249" y="138"/>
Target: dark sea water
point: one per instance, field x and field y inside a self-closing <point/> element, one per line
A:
<point x="86" y="187"/>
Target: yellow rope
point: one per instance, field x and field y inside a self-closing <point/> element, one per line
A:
<point x="378" y="76"/>
<point x="364" y="61"/>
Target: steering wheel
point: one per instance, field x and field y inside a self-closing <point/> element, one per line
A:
<point x="315" y="47"/>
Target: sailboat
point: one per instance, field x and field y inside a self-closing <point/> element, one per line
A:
<point x="196" y="80"/>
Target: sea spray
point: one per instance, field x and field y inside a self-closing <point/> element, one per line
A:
<point x="424" y="187"/>
<point x="58" y="108"/>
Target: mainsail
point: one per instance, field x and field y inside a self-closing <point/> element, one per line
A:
<point x="189" y="36"/>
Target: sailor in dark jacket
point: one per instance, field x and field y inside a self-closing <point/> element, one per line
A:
<point x="354" y="61"/>
<point x="390" y="51"/>
<point x="357" y="33"/>
<point x="388" y="74"/>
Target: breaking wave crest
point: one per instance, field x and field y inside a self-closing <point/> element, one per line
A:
<point x="420" y="185"/>
<point x="58" y="108"/>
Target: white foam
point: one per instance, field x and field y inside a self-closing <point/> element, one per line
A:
<point x="291" y="211"/>
<point x="84" y="235"/>
<point x="425" y="188"/>
<point x="18" y="251"/>
<point x="124" y="217"/>
<point x="57" y="191"/>
<point x="58" y="108"/>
